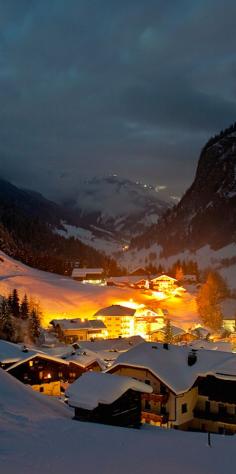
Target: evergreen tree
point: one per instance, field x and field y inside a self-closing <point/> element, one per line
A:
<point x="34" y="325"/>
<point x="15" y="304"/>
<point x="179" y="274"/>
<point x="7" y="331"/>
<point x="24" y="308"/>
<point x="168" y="335"/>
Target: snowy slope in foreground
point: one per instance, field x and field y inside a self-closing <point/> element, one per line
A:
<point x="52" y="442"/>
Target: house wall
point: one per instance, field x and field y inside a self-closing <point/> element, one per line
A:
<point x="146" y="376"/>
<point x="229" y="324"/>
<point x="118" y="325"/>
<point x="51" y="389"/>
<point x="125" y="411"/>
<point x="190" y="399"/>
<point x="40" y="370"/>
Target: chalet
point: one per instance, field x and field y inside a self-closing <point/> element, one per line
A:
<point x="72" y="330"/>
<point x="147" y="320"/>
<point x="82" y="360"/>
<point x="177" y="334"/>
<point x="89" y="275"/>
<point x="163" y="283"/>
<point x="200" y="332"/>
<point x="107" y="399"/>
<point x="129" y="281"/>
<point x="42" y="372"/>
<point x="192" y="389"/>
<point x="119" y="320"/>
<point x="228" y="309"/>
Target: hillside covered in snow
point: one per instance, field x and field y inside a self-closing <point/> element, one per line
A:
<point x="38" y="435"/>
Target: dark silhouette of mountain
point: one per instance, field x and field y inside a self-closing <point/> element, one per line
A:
<point x="207" y="212"/>
<point x="28" y="224"/>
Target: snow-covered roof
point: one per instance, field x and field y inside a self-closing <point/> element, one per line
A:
<point x="200" y="332"/>
<point x="33" y="356"/>
<point x="78" y="323"/>
<point x="163" y="278"/>
<point x="120" y="344"/>
<point x="210" y="345"/>
<point x="10" y="353"/>
<point x="83" y="357"/>
<point x="83" y="272"/>
<point x="128" y="279"/>
<point x="176" y="331"/>
<point x="115" y="310"/>
<point x="171" y="365"/>
<point x="93" y="388"/>
<point x="228" y="308"/>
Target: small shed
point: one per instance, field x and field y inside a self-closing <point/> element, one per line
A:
<point x="108" y="399"/>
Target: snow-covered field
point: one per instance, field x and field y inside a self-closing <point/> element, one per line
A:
<point x="58" y="295"/>
<point x="38" y="435"/>
<point x="64" y="297"/>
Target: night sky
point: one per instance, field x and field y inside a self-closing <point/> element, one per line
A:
<point x="133" y="87"/>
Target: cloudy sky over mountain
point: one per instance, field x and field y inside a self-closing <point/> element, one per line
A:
<point x="134" y="87"/>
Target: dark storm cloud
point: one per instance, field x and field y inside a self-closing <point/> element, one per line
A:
<point x="133" y="87"/>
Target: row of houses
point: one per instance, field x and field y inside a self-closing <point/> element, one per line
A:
<point x="181" y="388"/>
<point x="139" y="278"/>
<point x="120" y="321"/>
<point x="46" y="373"/>
<point x="172" y="386"/>
<point x="112" y="321"/>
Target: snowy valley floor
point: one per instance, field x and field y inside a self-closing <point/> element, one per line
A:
<point x="37" y="435"/>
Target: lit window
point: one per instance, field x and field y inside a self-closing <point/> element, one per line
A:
<point x="31" y="363"/>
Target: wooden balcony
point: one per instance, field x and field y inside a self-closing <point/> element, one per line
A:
<point x="156" y="397"/>
<point x="149" y="417"/>
<point x="220" y="417"/>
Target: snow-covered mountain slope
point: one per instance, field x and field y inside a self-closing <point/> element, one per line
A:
<point x="118" y="205"/>
<point x="222" y="260"/>
<point x="29" y="227"/>
<point x="38" y="435"/>
<point x="206" y="215"/>
<point x="99" y="239"/>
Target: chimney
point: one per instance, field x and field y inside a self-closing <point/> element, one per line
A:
<point x="192" y="358"/>
<point x="166" y="346"/>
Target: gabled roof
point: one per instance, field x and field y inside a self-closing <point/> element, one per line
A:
<point x="83" y="272"/>
<point x="171" y="366"/>
<point x="176" y="331"/>
<point x="78" y="323"/>
<point x="10" y="352"/>
<point x="37" y="354"/>
<point x="115" y="310"/>
<point x="163" y="277"/>
<point x="83" y="358"/>
<point x="93" y="388"/>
